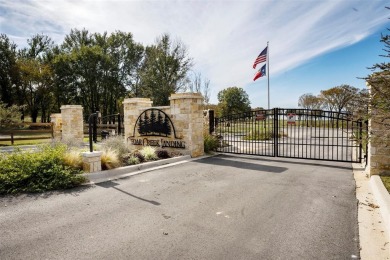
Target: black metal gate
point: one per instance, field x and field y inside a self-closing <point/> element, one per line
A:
<point x="292" y="133"/>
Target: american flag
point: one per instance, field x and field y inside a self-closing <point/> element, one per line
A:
<point x="261" y="58"/>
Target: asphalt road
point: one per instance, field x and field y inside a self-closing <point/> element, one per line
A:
<point x="223" y="207"/>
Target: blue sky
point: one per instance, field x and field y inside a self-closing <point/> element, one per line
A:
<point x="314" y="45"/>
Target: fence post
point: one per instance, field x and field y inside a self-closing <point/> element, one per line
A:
<point x="52" y="130"/>
<point x="91" y="132"/>
<point x="276" y="129"/>
<point x="360" y="140"/>
<point x="94" y="127"/>
<point x="119" y="124"/>
<point x="211" y="121"/>
<point x="12" y="138"/>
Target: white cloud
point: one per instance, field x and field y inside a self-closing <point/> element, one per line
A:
<point x="224" y="37"/>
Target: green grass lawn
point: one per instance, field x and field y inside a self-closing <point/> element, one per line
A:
<point x="35" y="142"/>
<point x="386" y="182"/>
<point x="25" y="142"/>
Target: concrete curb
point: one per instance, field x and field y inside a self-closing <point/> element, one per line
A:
<point x="382" y="197"/>
<point x="127" y="171"/>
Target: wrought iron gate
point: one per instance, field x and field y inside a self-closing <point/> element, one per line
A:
<point x="292" y="133"/>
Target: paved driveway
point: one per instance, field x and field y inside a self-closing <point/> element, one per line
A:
<point x="224" y="207"/>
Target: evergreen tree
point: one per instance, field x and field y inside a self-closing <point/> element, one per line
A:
<point x="167" y="127"/>
<point x="159" y="124"/>
<point x="146" y="124"/>
<point x="152" y="122"/>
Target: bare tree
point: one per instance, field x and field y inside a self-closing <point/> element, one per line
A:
<point x="200" y="85"/>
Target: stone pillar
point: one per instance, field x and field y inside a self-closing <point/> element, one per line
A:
<point x="187" y="115"/>
<point x="133" y="107"/>
<point x="72" y="123"/>
<point x="92" y="161"/>
<point x="56" y="120"/>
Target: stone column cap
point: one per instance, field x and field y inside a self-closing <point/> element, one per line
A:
<point x="71" y="106"/>
<point x="93" y="154"/>
<point x="186" y="96"/>
<point x="137" y="100"/>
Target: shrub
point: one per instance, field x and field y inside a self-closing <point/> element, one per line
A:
<point x="163" y="154"/>
<point x="27" y="171"/>
<point x="73" y="159"/>
<point x="149" y="153"/>
<point x="115" y="143"/>
<point x="110" y="159"/>
<point x="211" y="143"/>
<point x="9" y="115"/>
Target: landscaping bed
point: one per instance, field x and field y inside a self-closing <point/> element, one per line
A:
<point x="59" y="165"/>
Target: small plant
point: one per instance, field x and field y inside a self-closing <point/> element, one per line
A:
<point x="69" y="142"/>
<point x="140" y="157"/>
<point x="211" y="143"/>
<point x="386" y="181"/>
<point x="133" y="160"/>
<point x="125" y="157"/>
<point x="163" y="154"/>
<point x="149" y="153"/>
<point x="109" y="159"/>
<point x="259" y="135"/>
<point x="115" y="143"/>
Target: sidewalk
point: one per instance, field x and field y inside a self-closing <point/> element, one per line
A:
<point x="373" y="235"/>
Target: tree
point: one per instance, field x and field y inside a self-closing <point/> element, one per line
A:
<point x="96" y="70"/>
<point x="35" y="75"/>
<point x="8" y="70"/>
<point x="233" y="100"/>
<point x="379" y="101"/>
<point x="310" y="101"/>
<point x="339" y="98"/>
<point x="164" y="70"/>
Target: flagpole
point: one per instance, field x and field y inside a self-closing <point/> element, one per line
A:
<point x="268" y="73"/>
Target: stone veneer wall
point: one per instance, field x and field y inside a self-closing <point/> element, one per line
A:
<point x="133" y="107"/>
<point x="56" y="119"/>
<point x="186" y="113"/>
<point x="378" y="153"/>
<point x="72" y="123"/>
<point x="378" y="150"/>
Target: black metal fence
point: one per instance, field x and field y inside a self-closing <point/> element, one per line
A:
<point x="292" y="133"/>
<point x="103" y="126"/>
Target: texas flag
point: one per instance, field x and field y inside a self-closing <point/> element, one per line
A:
<point x="260" y="73"/>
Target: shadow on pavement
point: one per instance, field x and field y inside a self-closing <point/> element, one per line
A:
<point x="111" y="184"/>
<point x="44" y="195"/>
<point x="223" y="160"/>
<point x="329" y="164"/>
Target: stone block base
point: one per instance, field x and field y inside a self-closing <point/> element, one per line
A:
<point x="92" y="161"/>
